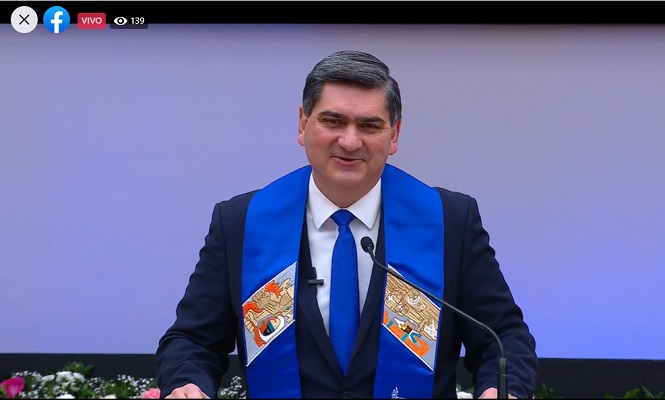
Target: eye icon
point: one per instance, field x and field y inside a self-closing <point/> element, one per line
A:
<point x="120" y="21"/>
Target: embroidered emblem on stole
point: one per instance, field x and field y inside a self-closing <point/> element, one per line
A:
<point x="269" y="311"/>
<point x="412" y="318"/>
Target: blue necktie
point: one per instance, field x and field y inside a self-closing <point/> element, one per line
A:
<point x="344" y="308"/>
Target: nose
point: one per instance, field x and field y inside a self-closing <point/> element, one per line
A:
<point x="349" y="140"/>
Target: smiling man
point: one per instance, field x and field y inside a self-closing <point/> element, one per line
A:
<point x="282" y="274"/>
<point x="348" y="135"/>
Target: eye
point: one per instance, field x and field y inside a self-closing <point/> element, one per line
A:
<point x="371" y="128"/>
<point x="331" y="122"/>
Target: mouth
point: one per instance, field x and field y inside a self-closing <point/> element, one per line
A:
<point x="346" y="159"/>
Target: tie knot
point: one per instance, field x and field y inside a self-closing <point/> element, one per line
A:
<point x="342" y="217"/>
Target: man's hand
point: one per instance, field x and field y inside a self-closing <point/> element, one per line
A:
<point x="189" y="391"/>
<point x="492" y="393"/>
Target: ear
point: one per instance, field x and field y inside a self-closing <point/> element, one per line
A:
<point x="394" y="136"/>
<point x="302" y="123"/>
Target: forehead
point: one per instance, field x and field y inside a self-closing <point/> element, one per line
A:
<point x="352" y="100"/>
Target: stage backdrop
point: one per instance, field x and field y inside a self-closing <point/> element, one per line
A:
<point x="115" y="145"/>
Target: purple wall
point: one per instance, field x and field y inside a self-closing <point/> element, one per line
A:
<point x="115" y="145"/>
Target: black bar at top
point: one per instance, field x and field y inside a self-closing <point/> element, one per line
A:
<point x="360" y="12"/>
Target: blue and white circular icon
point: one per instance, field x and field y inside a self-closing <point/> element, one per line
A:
<point x="56" y="19"/>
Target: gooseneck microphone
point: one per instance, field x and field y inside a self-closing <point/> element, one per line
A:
<point x="502" y="372"/>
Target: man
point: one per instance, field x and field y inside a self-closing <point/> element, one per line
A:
<point x="267" y="279"/>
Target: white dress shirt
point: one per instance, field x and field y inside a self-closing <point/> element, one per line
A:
<point x="322" y="232"/>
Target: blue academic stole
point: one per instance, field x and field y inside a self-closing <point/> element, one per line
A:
<point x="413" y="231"/>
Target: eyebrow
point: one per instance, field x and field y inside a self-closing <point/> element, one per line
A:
<point x="328" y="113"/>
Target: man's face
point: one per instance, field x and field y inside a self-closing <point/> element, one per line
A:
<point x="348" y="139"/>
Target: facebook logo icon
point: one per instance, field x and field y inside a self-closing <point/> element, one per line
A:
<point x="56" y="19"/>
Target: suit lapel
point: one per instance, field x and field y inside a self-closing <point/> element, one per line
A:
<point x="372" y="308"/>
<point x="309" y="305"/>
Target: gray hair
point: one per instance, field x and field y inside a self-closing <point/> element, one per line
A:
<point x="354" y="68"/>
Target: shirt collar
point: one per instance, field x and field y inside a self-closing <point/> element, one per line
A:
<point x="366" y="209"/>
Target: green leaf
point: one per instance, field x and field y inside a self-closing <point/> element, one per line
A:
<point x="79" y="367"/>
<point x="545" y="392"/>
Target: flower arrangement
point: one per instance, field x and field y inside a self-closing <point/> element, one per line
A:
<point x="74" y="382"/>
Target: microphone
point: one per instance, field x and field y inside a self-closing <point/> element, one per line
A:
<point x="315" y="280"/>
<point x="502" y="372"/>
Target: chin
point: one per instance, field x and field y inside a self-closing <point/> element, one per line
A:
<point x="347" y="178"/>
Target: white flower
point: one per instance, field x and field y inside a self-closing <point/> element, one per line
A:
<point x="65" y="396"/>
<point x="109" y="396"/>
<point x="48" y="378"/>
<point x="464" y="395"/>
<point x="64" y="375"/>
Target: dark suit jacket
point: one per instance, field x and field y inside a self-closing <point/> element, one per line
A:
<point x="195" y="349"/>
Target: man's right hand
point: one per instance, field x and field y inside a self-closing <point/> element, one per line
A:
<point x="189" y="391"/>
